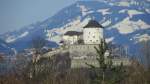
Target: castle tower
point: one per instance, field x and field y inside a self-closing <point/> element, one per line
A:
<point x="92" y="33"/>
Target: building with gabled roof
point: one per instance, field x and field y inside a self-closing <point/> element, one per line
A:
<point x="92" y="34"/>
<point x="72" y="37"/>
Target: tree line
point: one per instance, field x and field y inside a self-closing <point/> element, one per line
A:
<point x="56" y="70"/>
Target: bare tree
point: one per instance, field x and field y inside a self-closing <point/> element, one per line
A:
<point x="136" y="73"/>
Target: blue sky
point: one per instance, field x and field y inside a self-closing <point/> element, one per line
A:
<point x="15" y="14"/>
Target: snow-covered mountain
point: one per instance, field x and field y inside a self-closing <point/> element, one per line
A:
<point x="126" y="22"/>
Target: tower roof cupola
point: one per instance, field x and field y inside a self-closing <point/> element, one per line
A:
<point x="93" y="24"/>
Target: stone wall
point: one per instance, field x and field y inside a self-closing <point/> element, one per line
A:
<point x="82" y="54"/>
<point x="82" y="50"/>
<point x="78" y="63"/>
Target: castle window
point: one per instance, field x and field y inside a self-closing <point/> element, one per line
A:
<point x="89" y="32"/>
<point x="93" y="36"/>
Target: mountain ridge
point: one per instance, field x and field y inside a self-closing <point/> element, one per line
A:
<point x="125" y="25"/>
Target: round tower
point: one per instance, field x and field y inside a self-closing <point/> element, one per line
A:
<point x="92" y="33"/>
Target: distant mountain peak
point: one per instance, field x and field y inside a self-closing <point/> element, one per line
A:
<point x="126" y="22"/>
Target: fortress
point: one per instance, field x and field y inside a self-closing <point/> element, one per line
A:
<point x="83" y="43"/>
<point x="80" y="46"/>
<point x="92" y="34"/>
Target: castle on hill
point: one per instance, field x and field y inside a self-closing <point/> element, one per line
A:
<point x="81" y="46"/>
<point x="91" y="35"/>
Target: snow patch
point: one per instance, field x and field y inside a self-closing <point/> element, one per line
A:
<point x="142" y="24"/>
<point x="123" y="3"/>
<point x="106" y="23"/>
<point x="140" y="38"/>
<point x="14" y="38"/>
<point x="147" y="10"/>
<point x="83" y="9"/>
<point x="10" y="39"/>
<point x="126" y="26"/>
<point x="104" y="11"/>
<point x="109" y="39"/>
<point x="123" y="11"/>
<point x="23" y="35"/>
<point x="133" y="12"/>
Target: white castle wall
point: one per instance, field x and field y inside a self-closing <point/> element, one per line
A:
<point x="92" y="35"/>
<point x="70" y="39"/>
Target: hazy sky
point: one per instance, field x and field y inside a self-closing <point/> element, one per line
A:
<point x="15" y="14"/>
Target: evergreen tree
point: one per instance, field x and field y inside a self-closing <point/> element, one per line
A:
<point x="105" y="72"/>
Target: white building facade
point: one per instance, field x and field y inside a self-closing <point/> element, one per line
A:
<point x="92" y="33"/>
<point x="72" y="37"/>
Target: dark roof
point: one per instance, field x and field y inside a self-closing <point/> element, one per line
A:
<point x="61" y="41"/>
<point x="93" y="24"/>
<point x="72" y="33"/>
